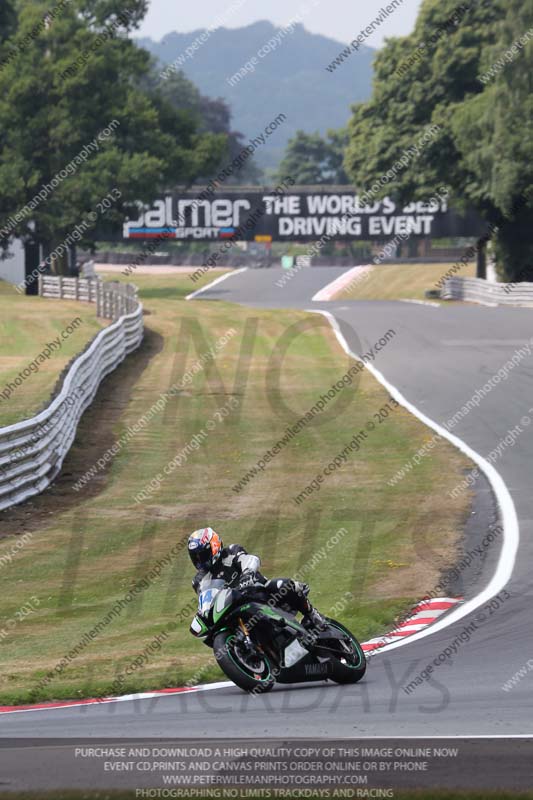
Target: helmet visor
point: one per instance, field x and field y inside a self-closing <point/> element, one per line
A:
<point x="201" y="557"/>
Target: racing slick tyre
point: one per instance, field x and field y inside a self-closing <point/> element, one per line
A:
<point x="251" y="672"/>
<point x="350" y="666"/>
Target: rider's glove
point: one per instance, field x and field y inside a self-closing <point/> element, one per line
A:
<point x="247" y="579"/>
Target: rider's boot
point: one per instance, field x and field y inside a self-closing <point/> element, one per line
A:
<point x="313" y="620"/>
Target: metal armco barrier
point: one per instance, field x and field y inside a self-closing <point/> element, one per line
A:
<point x="32" y="452"/>
<point x="477" y="290"/>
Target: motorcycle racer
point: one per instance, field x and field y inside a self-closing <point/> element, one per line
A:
<point x="238" y="568"/>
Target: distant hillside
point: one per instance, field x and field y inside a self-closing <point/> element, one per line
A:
<point x="292" y="79"/>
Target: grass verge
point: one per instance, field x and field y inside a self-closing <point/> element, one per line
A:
<point x="400" y="281"/>
<point x="86" y="555"/>
<point x="27" y="325"/>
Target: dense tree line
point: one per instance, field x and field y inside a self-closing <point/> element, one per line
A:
<point x="68" y="72"/>
<point x="467" y="68"/>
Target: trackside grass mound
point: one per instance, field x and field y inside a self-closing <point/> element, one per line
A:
<point x="38" y="338"/>
<point x="99" y="600"/>
<point x="400" y="281"/>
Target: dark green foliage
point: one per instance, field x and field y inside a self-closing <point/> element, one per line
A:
<point x="484" y="150"/>
<point x="210" y="116"/>
<point x="312" y="159"/>
<point x="52" y="105"/>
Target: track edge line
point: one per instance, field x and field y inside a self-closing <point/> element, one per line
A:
<point x="511" y="532"/>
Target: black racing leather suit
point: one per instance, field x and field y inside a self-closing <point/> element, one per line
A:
<point x="235" y="562"/>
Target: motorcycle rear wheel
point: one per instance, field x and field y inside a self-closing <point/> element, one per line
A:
<point x="252" y="673"/>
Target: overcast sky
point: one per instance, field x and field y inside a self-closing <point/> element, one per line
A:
<point x="338" y="19"/>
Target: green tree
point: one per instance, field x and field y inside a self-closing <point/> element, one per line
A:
<point x="494" y="133"/>
<point x="8" y="21"/>
<point x="313" y="160"/>
<point x="211" y="116"/>
<point x="67" y="82"/>
<point x="483" y="147"/>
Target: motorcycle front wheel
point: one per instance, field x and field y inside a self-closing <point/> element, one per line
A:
<point x="250" y="670"/>
<point x="349" y="665"/>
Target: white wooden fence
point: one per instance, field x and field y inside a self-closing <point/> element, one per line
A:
<point x="113" y="299"/>
<point x="477" y="290"/>
<point x="32" y="452"/>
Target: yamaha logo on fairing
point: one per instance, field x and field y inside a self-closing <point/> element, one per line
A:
<point x="316" y="669"/>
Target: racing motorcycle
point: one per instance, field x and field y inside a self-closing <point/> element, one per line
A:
<point x="257" y="645"/>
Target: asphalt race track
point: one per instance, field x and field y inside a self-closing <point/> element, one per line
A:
<point x="438" y="359"/>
